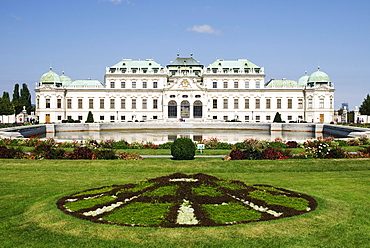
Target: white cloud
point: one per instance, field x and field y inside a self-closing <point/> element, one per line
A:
<point x="204" y="29"/>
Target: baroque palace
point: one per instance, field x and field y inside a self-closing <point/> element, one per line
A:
<point x="143" y="90"/>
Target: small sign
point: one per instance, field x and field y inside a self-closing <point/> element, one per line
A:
<point x="200" y="147"/>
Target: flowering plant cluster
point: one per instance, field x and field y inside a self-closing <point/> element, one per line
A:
<point x="215" y="143"/>
<point x="319" y="148"/>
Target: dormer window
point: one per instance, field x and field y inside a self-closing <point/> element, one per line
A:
<point x="214" y="70"/>
<point x="134" y="70"/>
<point x="257" y="70"/>
<point x="123" y="70"/>
<point x="155" y="70"/>
<point x="172" y="96"/>
<point x="112" y="70"/>
<point x="145" y="70"/>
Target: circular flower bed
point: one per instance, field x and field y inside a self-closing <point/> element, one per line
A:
<point x="180" y="200"/>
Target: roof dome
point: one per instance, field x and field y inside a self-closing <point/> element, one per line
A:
<point x="319" y="77"/>
<point x="303" y="80"/>
<point x="65" y="79"/>
<point x="50" y="77"/>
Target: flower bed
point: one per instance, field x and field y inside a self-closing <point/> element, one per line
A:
<point x="181" y="200"/>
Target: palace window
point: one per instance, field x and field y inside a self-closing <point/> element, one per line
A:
<point x="215" y="85"/>
<point x="47" y="103"/>
<point x="290" y="118"/>
<point x="155" y="117"/>
<point x="123" y="103"/>
<point x="145" y="105"/>
<point x="91" y="103"/>
<point x="214" y="103"/>
<point x="123" y="117"/>
<point x="258" y="84"/>
<point x="80" y="103"/>
<point x="225" y="85"/>
<point x="300" y="103"/>
<point x="214" y="117"/>
<point x="226" y="103"/>
<point x="123" y="85"/>
<point x="133" y="85"/>
<point x="112" y="85"/>
<point x="172" y="96"/>
<point x="321" y="103"/>
<point x="310" y="103"/>
<point x="112" y="103"/>
<point x="59" y="103"/>
<point x="102" y="117"/>
<point x="268" y="103"/>
<point x="145" y="85"/>
<point x="101" y="103"/>
<point x="258" y="103"/>
<point x="69" y="103"/>
<point x="80" y="117"/>
<point x="278" y="103"/>
<point x="246" y="84"/>
<point x="290" y="103"/>
<point x="133" y="104"/>
<point x="246" y="118"/>
<point x="226" y="117"/>
<point x="155" y="103"/>
<point x="236" y="103"/>
<point x="236" y="85"/>
<point x="59" y="117"/>
<point x="155" y="85"/>
<point x="214" y="70"/>
<point x="268" y="118"/>
<point x="258" y="118"/>
<point x="246" y="103"/>
<point x="112" y="118"/>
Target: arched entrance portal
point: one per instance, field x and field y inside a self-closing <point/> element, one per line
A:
<point x="185" y="109"/>
<point x="172" y="109"/>
<point x="198" y="109"/>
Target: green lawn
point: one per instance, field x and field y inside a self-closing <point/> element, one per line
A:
<point x="30" y="189"/>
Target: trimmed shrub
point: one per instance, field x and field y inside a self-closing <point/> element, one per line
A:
<point x="336" y="152"/>
<point x="105" y="154"/>
<point x="292" y="144"/>
<point x="236" y="154"/>
<point x="11" y="152"/>
<point x="183" y="149"/>
<point x="81" y="153"/>
<point x="46" y="150"/>
<point x="165" y="145"/>
<point x="90" y="118"/>
<point x="252" y="154"/>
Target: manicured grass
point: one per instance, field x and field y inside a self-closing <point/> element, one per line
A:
<point x="30" y="188"/>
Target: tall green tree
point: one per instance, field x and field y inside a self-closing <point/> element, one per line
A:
<point x="6" y="107"/>
<point x="25" y="98"/>
<point x="365" y="106"/>
<point x="277" y="118"/>
<point x="16" y="100"/>
<point x="90" y="118"/>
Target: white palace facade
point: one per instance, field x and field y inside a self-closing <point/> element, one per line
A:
<point x="143" y="90"/>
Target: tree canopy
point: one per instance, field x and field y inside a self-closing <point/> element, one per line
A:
<point x="365" y="106"/>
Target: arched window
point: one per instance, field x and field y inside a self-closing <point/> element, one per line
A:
<point x="172" y="109"/>
<point x="198" y="109"/>
<point x="185" y="109"/>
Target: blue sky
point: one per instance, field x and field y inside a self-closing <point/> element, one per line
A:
<point x="83" y="37"/>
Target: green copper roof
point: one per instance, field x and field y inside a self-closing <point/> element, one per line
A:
<point x="302" y="81"/>
<point x="50" y="77"/>
<point x="319" y="77"/>
<point x="65" y="80"/>
<point x="185" y="62"/>
<point x="282" y="84"/>
<point x="128" y="63"/>
<point x="90" y="83"/>
<point x="240" y="63"/>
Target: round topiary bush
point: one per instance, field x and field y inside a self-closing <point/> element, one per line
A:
<point x="183" y="149"/>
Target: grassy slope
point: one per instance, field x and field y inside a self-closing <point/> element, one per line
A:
<point x="30" y="189"/>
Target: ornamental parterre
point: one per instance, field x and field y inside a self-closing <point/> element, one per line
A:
<point x="181" y="200"/>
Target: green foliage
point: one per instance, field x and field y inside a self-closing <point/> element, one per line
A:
<point x="183" y="149"/>
<point x="88" y="203"/>
<point x="365" y="106"/>
<point x="229" y="185"/>
<point x="6" y="107"/>
<point x="11" y="152"/>
<point x="231" y="212"/>
<point x="282" y="200"/>
<point x="165" y="190"/>
<point x="139" y="213"/>
<point x="204" y="189"/>
<point x="105" y="154"/>
<point x="95" y="191"/>
<point x="90" y="118"/>
<point x="277" y="118"/>
<point x="25" y="98"/>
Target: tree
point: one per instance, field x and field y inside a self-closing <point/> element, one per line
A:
<point x="365" y="106"/>
<point x="16" y="100"/>
<point x="25" y="98"/>
<point x="90" y="118"/>
<point x="6" y="107"/>
<point x="277" y="118"/>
